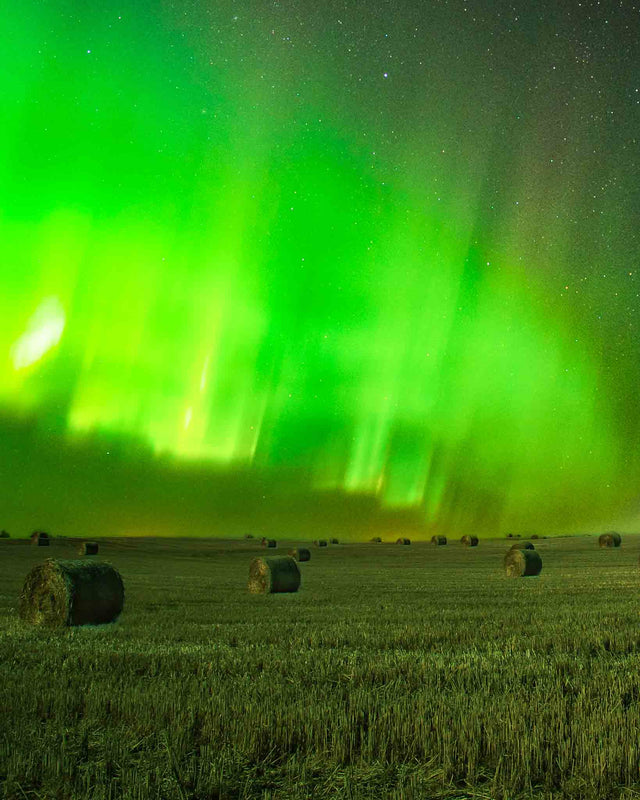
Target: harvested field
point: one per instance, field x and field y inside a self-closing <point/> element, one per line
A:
<point x="382" y="678"/>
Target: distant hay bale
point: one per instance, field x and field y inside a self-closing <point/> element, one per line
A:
<point x="534" y="536"/>
<point x="320" y="542"/>
<point x="333" y="541"/>
<point x="469" y="541"/>
<point x="439" y="540"/>
<point x="270" y="575"/>
<point x="88" y="549"/>
<point x="269" y="543"/>
<point x="57" y="593"/>
<point x="523" y="546"/>
<point x="248" y="536"/>
<point x="5" y="535"/>
<point x="610" y="539"/>
<point x="509" y="536"/>
<point x="40" y="538"/>
<point x="300" y="554"/>
<point x="376" y="539"/>
<point x="521" y="563"/>
<point x="402" y="540"/>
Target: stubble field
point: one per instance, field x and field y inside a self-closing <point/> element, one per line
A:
<point x="394" y="672"/>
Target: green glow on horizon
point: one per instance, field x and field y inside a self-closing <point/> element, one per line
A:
<point x="241" y="282"/>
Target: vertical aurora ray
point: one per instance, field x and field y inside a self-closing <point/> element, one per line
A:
<point x="242" y="263"/>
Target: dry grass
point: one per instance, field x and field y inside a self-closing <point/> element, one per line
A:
<point x="271" y="575"/>
<point x="522" y="563"/>
<point x="58" y="592"/>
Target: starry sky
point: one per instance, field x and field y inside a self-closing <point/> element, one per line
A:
<point x="350" y="264"/>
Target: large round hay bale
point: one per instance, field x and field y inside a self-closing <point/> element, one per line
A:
<point x="88" y="549"/>
<point x="5" y="535"/>
<point x="40" y="538"/>
<point x="270" y="543"/>
<point x="333" y="541"/>
<point x="523" y="546"/>
<point x="521" y="563"/>
<point x="320" y="542"/>
<point x="376" y="539"/>
<point x="534" y="536"/>
<point x="300" y="554"/>
<point x="269" y="575"/>
<point x="439" y="540"/>
<point x="610" y="539"/>
<point x="248" y="536"/>
<point x="403" y="540"/>
<point x="469" y="541"/>
<point x="60" y="592"/>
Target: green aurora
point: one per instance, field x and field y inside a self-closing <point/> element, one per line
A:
<point x="267" y="256"/>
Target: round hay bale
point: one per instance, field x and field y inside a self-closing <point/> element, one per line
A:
<point x="469" y="541"/>
<point x="57" y="593"/>
<point x="270" y="543"/>
<point x="610" y="539"/>
<point x="248" y="536"/>
<point x="320" y="542"/>
<point x="520" y="563"/>
<point x="376" y="539"/>
<point x="88" y="549"/>
<point x="523" y="546"/>
<point x="270" y="575"/>
<point x="333" y="541"/>
<point x="40" y="538"/>
<point x="509" y="536"/>
<point x="402" y="540"/>
<point x="5" y="535"/>
<point x="439" y="540"/>
<point x="300" y="554"/>
<point x="534" y="536"/>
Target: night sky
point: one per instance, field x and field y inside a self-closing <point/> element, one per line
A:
<point x="280" y="265"/>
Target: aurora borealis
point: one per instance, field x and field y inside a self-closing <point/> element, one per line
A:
<point x="380" y="253"/>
